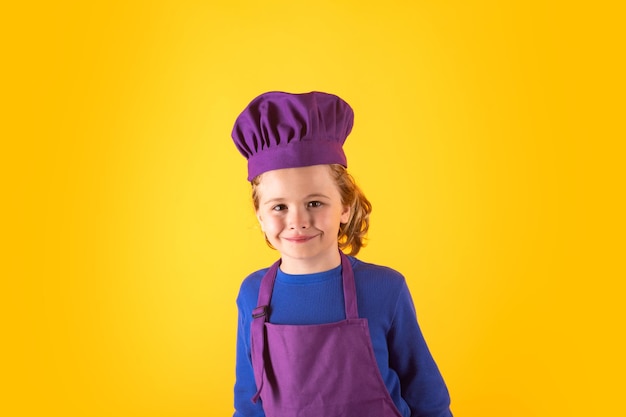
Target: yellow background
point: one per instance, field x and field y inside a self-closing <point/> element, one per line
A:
<point x="488" y="135"/>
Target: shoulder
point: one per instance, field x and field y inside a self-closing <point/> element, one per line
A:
<point x="253" y="280"/>
<point x="373" y="271"/>
<point x="377" y="278"/>
<point x="249" y="290"/>
<point x="380" y="290"/>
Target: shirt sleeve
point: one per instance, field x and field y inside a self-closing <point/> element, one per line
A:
<point x="245" y="385"/>
<point x="422" y="385"/>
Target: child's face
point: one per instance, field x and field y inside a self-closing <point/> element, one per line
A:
<point x="300" y="211"/>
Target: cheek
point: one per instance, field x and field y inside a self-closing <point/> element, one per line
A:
<point x="269" y="224"/>
<point x="329" y="221"/>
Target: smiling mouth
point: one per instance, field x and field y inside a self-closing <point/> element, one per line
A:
<point x="299" y="239"/>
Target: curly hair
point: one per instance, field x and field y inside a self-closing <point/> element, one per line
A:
<point x="352" y="235"/>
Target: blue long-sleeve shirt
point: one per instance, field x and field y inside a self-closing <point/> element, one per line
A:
<point x="404" y="360"/>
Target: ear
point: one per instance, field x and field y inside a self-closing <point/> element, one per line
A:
<point x="345" y="215"/>
<point x="260" y="219"/>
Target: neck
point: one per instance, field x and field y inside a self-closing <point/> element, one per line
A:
<point x="297" y="266"/>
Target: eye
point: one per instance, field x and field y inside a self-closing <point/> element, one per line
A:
<point x="279" y="207"/>
<point x="315" y="204"/>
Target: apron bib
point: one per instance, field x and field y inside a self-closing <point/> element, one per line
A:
<point x="319" y="370"/>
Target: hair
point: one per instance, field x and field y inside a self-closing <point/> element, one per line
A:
<point x="353" y="234"/>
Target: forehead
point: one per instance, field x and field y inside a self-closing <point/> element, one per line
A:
<point x="297" y="182"/>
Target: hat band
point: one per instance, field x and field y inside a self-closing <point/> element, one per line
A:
<point x="296" y="154"/>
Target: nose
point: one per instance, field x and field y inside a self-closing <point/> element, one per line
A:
<point x="298" y="218"/>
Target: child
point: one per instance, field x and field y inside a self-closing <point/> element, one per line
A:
<point x="321" y="333"/>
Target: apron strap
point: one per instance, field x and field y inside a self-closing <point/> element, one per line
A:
<point x="260" y="314"/>
<point x="257" y="332"/>
<point x="349" y="288"/>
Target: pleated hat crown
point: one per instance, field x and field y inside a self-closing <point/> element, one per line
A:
<point x="283" y="130"/>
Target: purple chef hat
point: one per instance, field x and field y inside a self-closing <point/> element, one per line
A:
<point x="282" y="130"/>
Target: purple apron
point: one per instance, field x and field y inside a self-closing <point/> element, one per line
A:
<point x="320" y="370"/>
